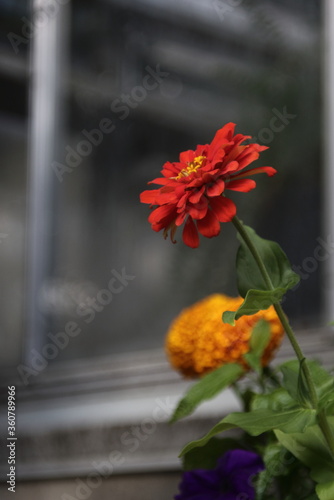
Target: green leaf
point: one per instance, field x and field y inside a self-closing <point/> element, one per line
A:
<point x="328" y="406"/>
<point x="274" y="466"/>
<point x="294" y="382"/>
<point x="207" y="456"/>
<point x="260" y="337"/>
<point x="259" y="421"/>
<point x="258" y="342"/>
<point x="208" y="387"/>
<point x="220" y="427"/>
<point x="255" y="301"/>
<point x="310" y="448"/>
<point x="253" y="361"/>
<point x="277" y="400"/>
<point x="280" y="400"/>
<point x="275" y="262"/>
<point x="250" y="282"/>
<point x="325" y="491"/>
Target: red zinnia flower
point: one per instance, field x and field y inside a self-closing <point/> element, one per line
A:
<point x="193" y="189"/>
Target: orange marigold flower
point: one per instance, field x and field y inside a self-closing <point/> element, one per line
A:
<point x="198" y="341"/>
<point x="193" y="189"/>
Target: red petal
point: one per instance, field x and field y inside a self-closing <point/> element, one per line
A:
<point x="190" y="234"/>
<point x="198" y="211"/>
<point x="171" y="169"/>
<point x="232" y="153"/>
<point x="239" y="138"/>
<point x="180" y="219"/>
<point x="250" y="154"/>
<point x="259" y="148"/>
<point x="150" y="196"/>
<point x="162" y="215"/>
<point x="243" y="185"/>
<point x="224" y="208"/>
<point x="259" y="170"/>
<point x="216" y="189"/>
<point x="187" y="156"/>
<point x="217" y="156"/>
<point x="196" y="196"/>
<point x="182" y="201"/>
<point x="248" y="158"/>
<point x="223" y="135"/>
<point x="232" y="166"/>
<point x="160" y="180"/>
<point x="209" y="226"/>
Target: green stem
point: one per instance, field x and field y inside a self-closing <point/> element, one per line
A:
<point x="298" y="351"/>
<point x="326" y="430"/>
<point x="323" y="422"/>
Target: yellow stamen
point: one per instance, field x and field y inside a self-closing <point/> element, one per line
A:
<point x="193" y="166"/>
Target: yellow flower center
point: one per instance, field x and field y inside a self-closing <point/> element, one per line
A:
<point x="193" y="166"/>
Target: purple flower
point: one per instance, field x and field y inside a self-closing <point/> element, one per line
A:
<point x="230" y="480"/>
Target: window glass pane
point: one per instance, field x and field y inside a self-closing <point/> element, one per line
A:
<point x="13" y="145"/>
<point x="147" y="81"/>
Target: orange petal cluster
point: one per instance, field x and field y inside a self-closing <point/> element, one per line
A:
<point x="198" y="341"/>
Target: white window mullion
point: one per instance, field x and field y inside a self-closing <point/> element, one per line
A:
<point x="328" y="137"/>
<point x="48" y="64"/>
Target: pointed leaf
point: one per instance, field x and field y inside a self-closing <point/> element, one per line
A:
<point x="255" y="301"/>
<point x="258" y="342"/>
<point x="294" y="382"/>
<point x="253" y="361"/>
<point x="207" y="456"/>
<point x="277" y="400"/>
<point x="208" y="387"/>
<point x="275" y="262"/>
<point x="260" y="337"/>
<point x="250" y="282"/>
<point x="281" y="401"/>
<point x="310" y="448"/>
<point x="323" y="381"/>
<point x="259" y="421"/>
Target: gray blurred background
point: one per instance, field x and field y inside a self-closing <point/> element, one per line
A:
<point x="95" y="98"/>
